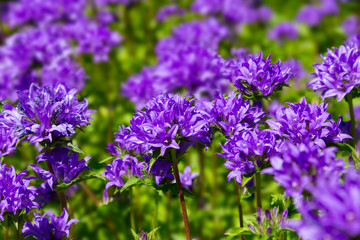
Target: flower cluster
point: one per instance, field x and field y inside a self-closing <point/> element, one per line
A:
<point x="249" y="150"/>
<point x="15" y="192"/>
<point x="299" y="166"/>
<point x="283" y="31"/>
<point x="168" y="121"/>
<point x="128" y="166"/>
<point x="339" y="74"/>
<point x="332" y="210"/>
<point x="65" y="166"/>
<point x="169" y="10"/>
<point x="268" y="223"/>
<point x="258" y="77"/>
<point x="8" y="141"/>
<point x="313" y="14"/>
<point x="45" y="114"/>
<point x="239" y="11"/>
<point x="49" y="226"/>
<point x="234" y="114"/>
<point x="161" y="169"/>
<point x="302" y="123"/>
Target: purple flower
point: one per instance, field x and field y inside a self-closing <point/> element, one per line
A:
<point x="168" y="122"/>
<point x="332" y="209"/>
<point x="234" y="114"/>
<point x="256" y="77"/>
<point x="169" y="10"/>
<point x="128" y="166"/>
<point x="283" y="31"/>
<point x="302" y="123"/>
<point x="249" y="150"/>
<point x="298" y="70"/>
<point x="8" y="141"/>
<point x="45" y="194"/>
<point x="187" y="177"/>
<point x="65" y="166"/>
<point x="107" y="2"/>
<point x="49" y="226"/>
<point x="15" y="192"/>
<point x="351" y="25"/>
<point x="299" y="166"/>
<point x="46" y="114"/>
<point x="338" y="74"/>
<point x="268" y="224"/>
<point x="161" y="169"/>
<point x="311" y="15"/>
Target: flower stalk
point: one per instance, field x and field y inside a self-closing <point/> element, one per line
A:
<point x="258" y="190"/>
<point x="241" y="218"/>
<point x="181" y="194"/>
<point x="156" y="210"/>
<point x="352" y="116"/>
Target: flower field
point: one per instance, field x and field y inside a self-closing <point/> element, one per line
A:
<point x="187" y="119"/>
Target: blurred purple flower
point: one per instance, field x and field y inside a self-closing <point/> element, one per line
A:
<point x="338" y="74"/>
<point x="310" y="14"/>
<point x="187" y="177"/>
<point x="297" y="68"/>
<point x="65" y="166"/>
<point x="15" y="192"/>
<point x="169" y="10"/>
<point x="351" y="26"/>
<point x="283" y="31"/>
<point x="49" y="226"/>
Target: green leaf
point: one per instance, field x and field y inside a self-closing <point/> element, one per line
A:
<point x="108" y="159"/>
<point x="64" y="186"/>
<point x="134" y="234"/>
<point x="131" y="183"/>
<point x="238" y="231"/>
<point x="173" y="188"/>
<point x="152" y="161"/>
<point x="74" y="147"/>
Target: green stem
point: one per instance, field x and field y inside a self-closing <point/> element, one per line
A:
<point x="156" y="209"/>
<point x="18" y="231"/>
<point x="132" y="215"/>
<point x="181" y="194"/>
<point x="352" y="116"/>
<point x="6" y="229"/>
<point x="258" y="190"/>
<point x="168" y="217"/>
<point x="238" y="193"/>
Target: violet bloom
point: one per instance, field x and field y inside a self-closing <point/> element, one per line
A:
<point x="169" y="122"/>
<point x="8" y="141"/>
<point x="45" y="114"/>
<point x="332" y="209"/>
<point x="15" y="192"/>
<point x="248" y="151"/>
<point x="161" y="169"/>
<point x="234" y="114"/>
<point x="338" y="74"/>
<point x="49" y="226"/>
<point x="107" y="2"/>
<point x="169" y="10"/>
<point x="283" y="31"/>
<point x="298" y="70"/>
<point x="65" y="166"/>
<point x="187" y="177"/>
<point x="258" y="77"/>
<point x="268" y="223"/>
<point x="351" y="26"/>
<point x="122" y="169"/>
<point x="310" y="14"/>
<point x="302" y="123"/>
<point x="299" y="166"/>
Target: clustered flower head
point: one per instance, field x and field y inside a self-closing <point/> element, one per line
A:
<point x="65" y="166"/>
<point x="302" y="123"/>
<point x="49" y="226"/>
<point x="258" y="77"/>
<point x="122" y="169"/>
<point x="339" y="73"/>
<point x="15" y="192"/>
<point x="168" y="122"/>
<point x="299" y="166"/>
<point x="45" y="114"/>
<point x="238" y="11"/>
<point x="312" y="14"/>
<point x="8" y="141"/>
<point x="248" y="151"/>
<point x="268" y="223"/>
<point x="234" y="114"/>
<point x="332" y="210"/>
<point x="161" y="170"/>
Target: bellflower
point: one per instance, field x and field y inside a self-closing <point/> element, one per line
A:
<point x="169" y="121"/>
<point x="299" y="166"/>
<point x="258" y="77"/>
<point x="187" y="177"/>
<point x="161" y="169"/>
<point x="46" y="114"/>
<point x="128" y="166"/>
<point x="338" y="74"/>
<point x="332" y="210"/>
<point x="234" y="114"/>
<point x="249" y="150"/>
<point x="49" y="226"/>
<point x="8" y="141"/>
<point x="268" y="223"/>
<point x="65" y="166"/>
<point x="283" y="31"/>
<point x="169" y="10"/>
<point x="350" y="25"/>
<point x="15" y="192"/>
<point x="310" y="14"/>
<point x="302" y="122"/>
<point x="297" y="68"/>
